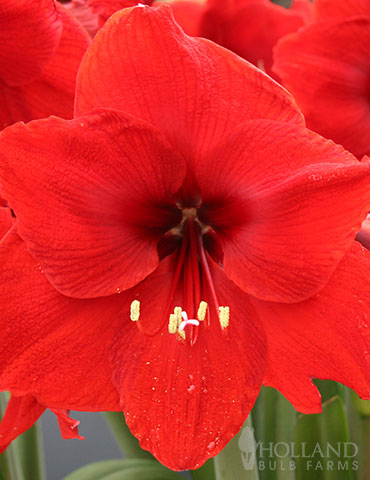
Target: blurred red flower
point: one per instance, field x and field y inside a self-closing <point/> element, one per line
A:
<point x="326" y="66"/>
<point x="187" y="195"/>
<point x="41" y="46"/>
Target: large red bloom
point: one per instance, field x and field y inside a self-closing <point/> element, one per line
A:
<point x="187" y="178"/>
<point x="327" y="68"/>
<point x="41" y="46"/>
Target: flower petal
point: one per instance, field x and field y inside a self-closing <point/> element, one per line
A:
<point x="286" y="204"/>
<point x="6" y="221"/>
<point x="325" y="9"/>
<point x="106" y="8"/>
<point x="52" y="92"/>
<point x="185" y="403"/>
<point x="68" y="426"/>
<point x="251" y="28"/>
<point x="81" y="11"/>
<point x="30" y="31"/>
<point x="104" y="187"/>
<point x="192" y="90"/>
<point x="54" y="347"/>
<point x="326" y="337"/>
<point x="20" y="414"/>
<point x="335" y="97"/>
<point x="188" y="14"/>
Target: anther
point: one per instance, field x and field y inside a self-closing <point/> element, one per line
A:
<point x="182" y="334"/>
<point x="135" y="310"/>
<point x="172" y="324"/>
<point x="224" y="315"/>
<point x="202" y="311"/>
<point x="178" y="314"/>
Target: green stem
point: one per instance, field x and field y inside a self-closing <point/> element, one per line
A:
<point x="237" y="459"/>
<point x="30" y="450"/>
<point x="10" y="467"/>
<point x="359" y="422"/>
<point x="126" y="441"/>
<point x="365" y="447"/>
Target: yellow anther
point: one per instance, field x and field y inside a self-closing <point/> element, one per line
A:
<point x="135" y="310"/>
<point x="202" y="310"/>
<point x="178" y="315"/>
<point x="224" y="314"/>
<point x="182" y="334"/>
<point x="172" y="324"/>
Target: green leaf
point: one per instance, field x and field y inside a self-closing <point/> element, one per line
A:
<point x="362" y="406"/>
<point x="10" y="465"/>
<point x="329" y="389"/>
<point x="125" y="440"/>
<point x="322" y="448"/>
<point x="237" y="459"/>
<point x="205" y="472"/>
<point x="274" y="419"/>
<point x="140" y="469"/>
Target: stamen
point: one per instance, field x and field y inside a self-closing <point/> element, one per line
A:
<point x="172" y="324"/>
<point x="178" y="315"/>
<point x="224" y="314"/>
<point x="182" y="334"/>
<point x="202" y="311"/>
<point x="135" y="310"/>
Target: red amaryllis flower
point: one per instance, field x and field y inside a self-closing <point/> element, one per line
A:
<point x="326" y="66"/>
<point x="41" y="46"/>
<point x="176" y="253"/>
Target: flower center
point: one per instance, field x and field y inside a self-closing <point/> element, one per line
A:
<point x="193" y="273"/>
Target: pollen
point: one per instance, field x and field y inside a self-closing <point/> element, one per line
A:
<point x="224" y="315"/>
<point x="172" y="324"/>
<point x="182" y="334"/>
<point x="178" y="315"/>
<point x="135" y="310"/>
<point x="202" y="310"/>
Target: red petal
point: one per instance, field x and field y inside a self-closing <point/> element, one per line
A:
<point x="188" y="14"/>
<point x="106" y="8"/>
<point x="326" y="337"/>
<point x="84" y="15"/>
<point x="334" y="97"/>
<point x="286" y="204"/>
<point x="6" y="221"/>
<point x="185" y="403"/>
<point x="29" y="35"/>
<point x="68" y="426"/>
<point x="21" y="413"/>
<point x="52" y="93"/>
<point x="62" y="357"/>
<point x="304" y="8"/>
<point x="251" y="29"/>
<point x="104" y="187"/>
<point x="191" y="89"/>
<point x="325" y="9"/>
